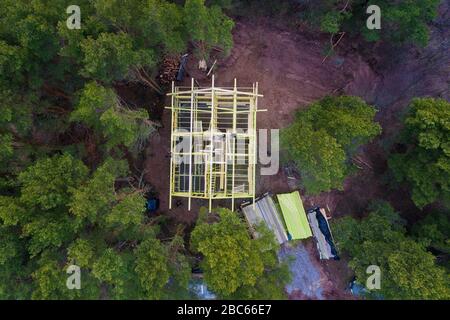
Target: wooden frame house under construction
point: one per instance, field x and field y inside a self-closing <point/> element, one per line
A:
<point x="213" y="142"/>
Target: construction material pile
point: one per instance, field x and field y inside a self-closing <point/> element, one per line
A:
<point x="169" y="69"/>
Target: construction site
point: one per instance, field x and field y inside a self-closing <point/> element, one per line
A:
<point x="224" y="149"/>
<point x="213" y="142"/>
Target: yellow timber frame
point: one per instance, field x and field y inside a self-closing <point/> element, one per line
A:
<point x="216" y="127"/>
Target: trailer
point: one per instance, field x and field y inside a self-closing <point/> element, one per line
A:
<point x="322" y="233"/>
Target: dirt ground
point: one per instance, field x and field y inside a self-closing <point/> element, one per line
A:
<point x="290" y="73"/>
<point x="399" y="75"/>
<point x="289" y="67"/>
<point x="315" y="279"/>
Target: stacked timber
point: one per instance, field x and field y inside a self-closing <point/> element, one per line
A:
<point x="169" y="69"/>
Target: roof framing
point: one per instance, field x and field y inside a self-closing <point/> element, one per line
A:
<point x="213" y="142"/>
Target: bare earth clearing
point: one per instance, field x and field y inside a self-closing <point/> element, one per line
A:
<point x="288" y="66"/>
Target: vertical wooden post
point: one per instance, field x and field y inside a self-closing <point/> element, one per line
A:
<point x="190" y="143"/>
<point x="211" y="145"/>
<point x="255" y="159"/>
<point x="171" y="144"/>
<point x="233" y="151"/>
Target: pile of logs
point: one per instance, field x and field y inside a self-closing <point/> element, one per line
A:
<point x="169" y="69"/>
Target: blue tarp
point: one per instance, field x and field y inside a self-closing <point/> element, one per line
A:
<point x="152" y="205"/>
<point x="323" y="226"/>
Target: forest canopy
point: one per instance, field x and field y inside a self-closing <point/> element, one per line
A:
<point x="325" y="136"/>
<point x="424" y="165"/>
<point x="73" y="188"/>
<point x="402" y="21"/>
<point x="409" y="271"/>
<point x="234" y="265"/>
<point x="69" y="145"/>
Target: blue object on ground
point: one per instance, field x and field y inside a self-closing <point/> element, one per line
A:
<point x="357" y="289"/>
<point x="152" y="204"/>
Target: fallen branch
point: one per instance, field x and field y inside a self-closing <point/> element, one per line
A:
<point x="333" y="45"/>
<point x="358" y="160"/>
<point x="143" y="77"/>
<point x="215" y="61"/>
<point x="57" y="110"/>
<point x="345" y="7"/>
<point x="55" y="91"/>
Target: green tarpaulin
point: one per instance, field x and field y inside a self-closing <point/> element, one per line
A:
<point x="294" y="215"/>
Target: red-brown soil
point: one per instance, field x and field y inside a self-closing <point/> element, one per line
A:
<point x="291" y="73"/>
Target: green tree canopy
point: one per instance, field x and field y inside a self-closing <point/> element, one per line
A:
<point x="408" y="271"/>
<point x="401" y="21"/>
<point x="128" y="212"/>
<point x="110" y="268"/>
<point x="154" y="24"/>
<point x="325" y="136"/>
<point x="425" y="165"/>
<point x="432" y="231"/>
<point x="81" y="252"/>
<point x="50" y="182"/>
<point x="346" y="118"/>
<point x="93" y="199"/>
<point x="151" y="267"/>
<point x="152" y="270"/>
<point x="49" y="280"/>
<point x="233" y="263"/>
<point x="59" y="106"/>
<point x="99" y="108"/>
<point x="276" y="274"/>
<point x="110" y="57"/>
<point x="318" y="156"/>
<point x="39" y="213"/>
<point x="14" y="270"/>
<point x="207" y="27"/>
<point x="50" y="277"/>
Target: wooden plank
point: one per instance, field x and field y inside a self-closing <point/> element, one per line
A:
<point x="171" y="148"/>
<point x="190" y="144"/>
<point x="211" y="144"/>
